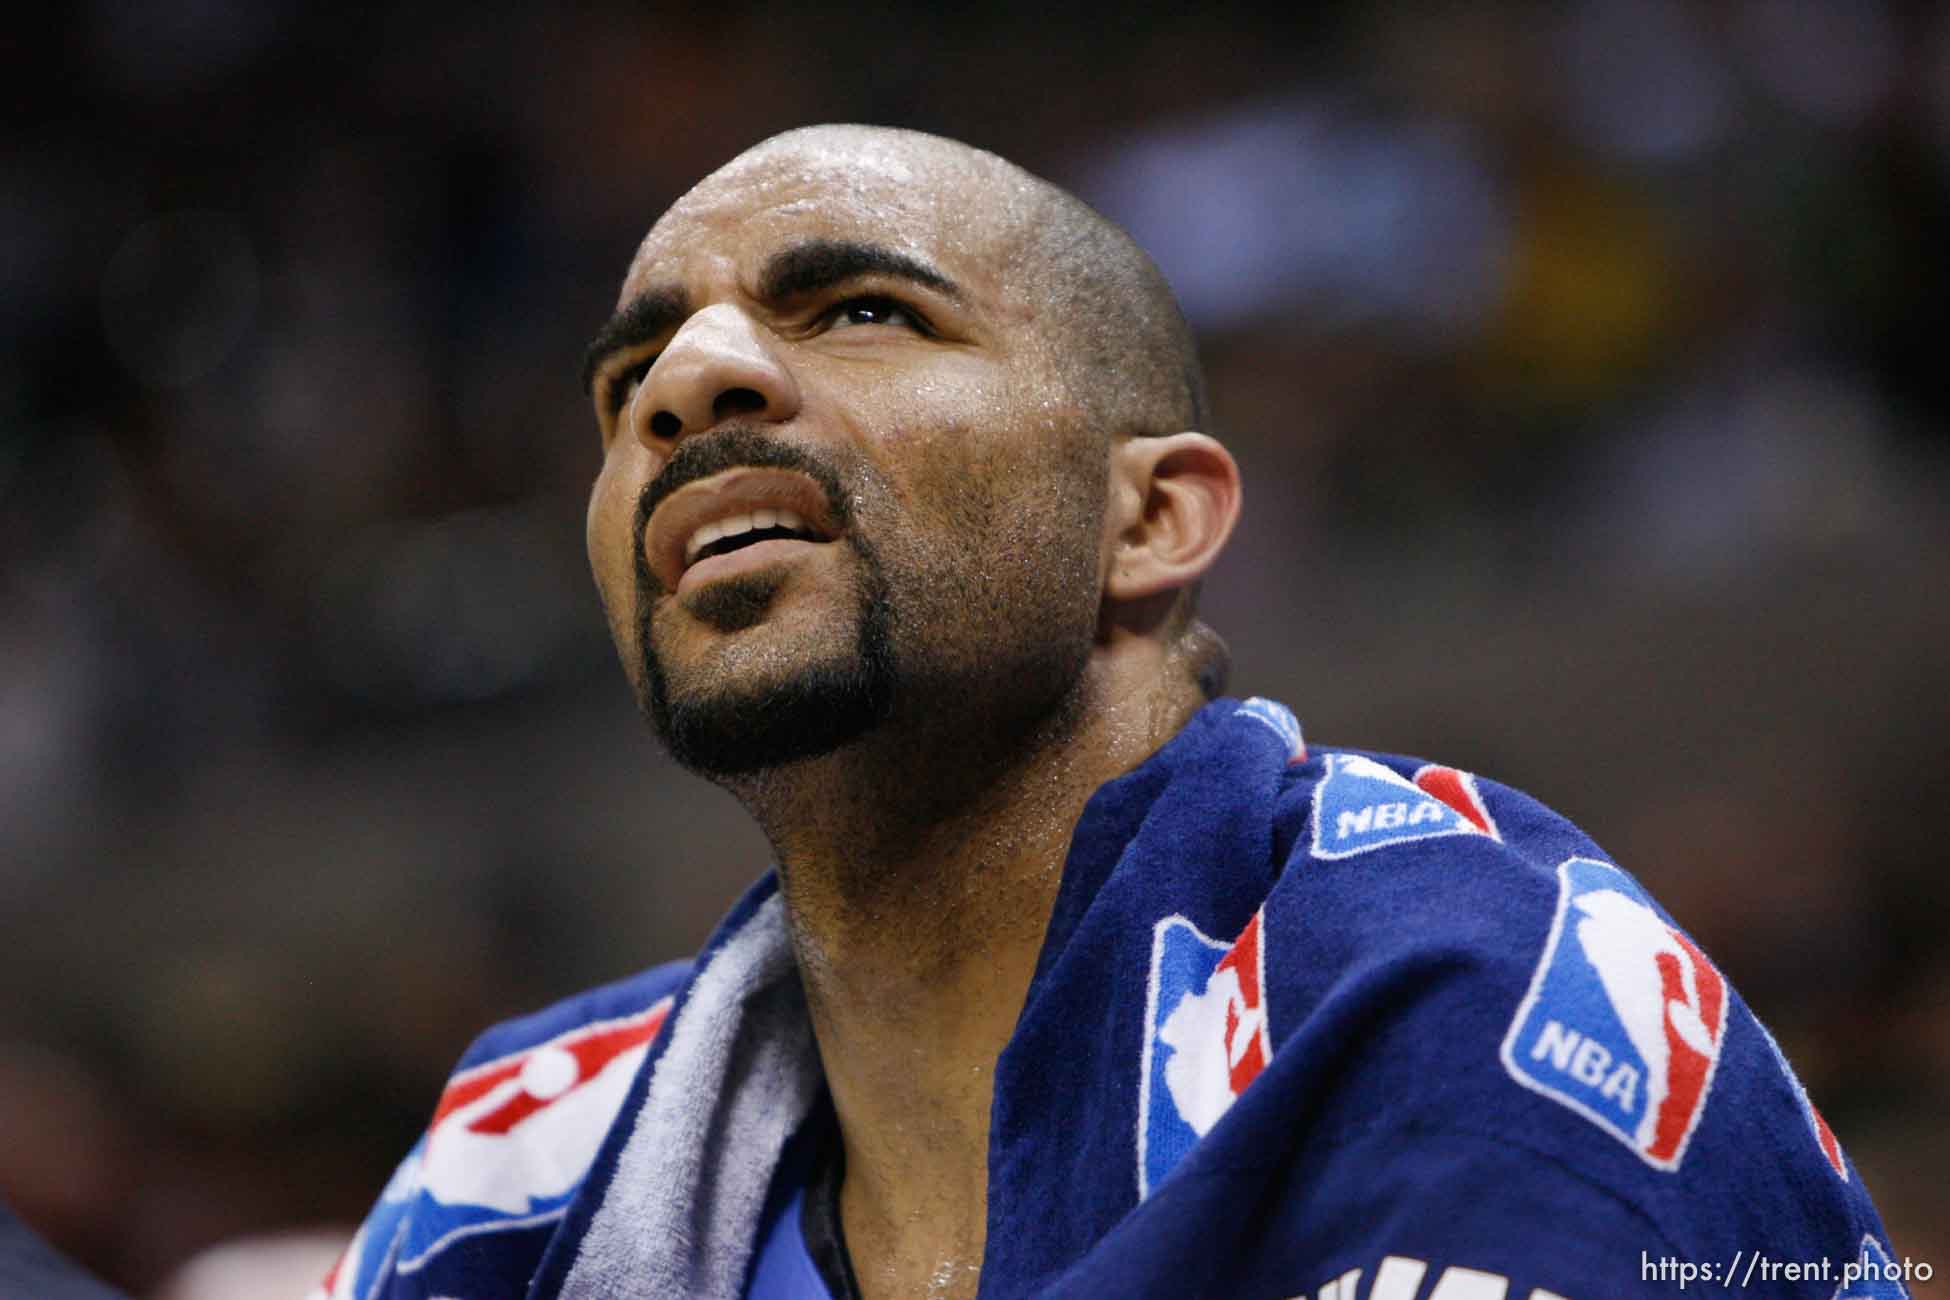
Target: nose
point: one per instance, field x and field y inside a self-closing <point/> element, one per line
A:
<point x="718" y="366"/>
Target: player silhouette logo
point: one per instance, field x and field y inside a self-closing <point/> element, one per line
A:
<point x="1624" y="1018"/>
<point x="1208" y="1039"/>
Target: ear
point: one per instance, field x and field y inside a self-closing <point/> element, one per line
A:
<point x="1173" y="503"/>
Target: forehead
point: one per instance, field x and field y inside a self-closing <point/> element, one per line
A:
<point x="954" y="211"/>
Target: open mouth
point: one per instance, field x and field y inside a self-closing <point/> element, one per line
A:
<point x="738" y="510"/>
<point x="739" y="531"/>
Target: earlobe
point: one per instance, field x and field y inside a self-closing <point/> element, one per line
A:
<point x="1180" y="497"/>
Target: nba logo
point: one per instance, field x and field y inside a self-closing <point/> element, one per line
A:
<point x="1205" y="1038"/>
<point x="1362" y="806"/>
<point x="509" y="1144"/>
<point x="1624" y="1017"/>
<point x="511" y="1138"/>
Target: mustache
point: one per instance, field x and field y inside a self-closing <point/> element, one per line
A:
<point x="740" y="447"/>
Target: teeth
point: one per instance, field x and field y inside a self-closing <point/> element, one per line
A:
<point x="732" y="525"/>
<point x="700" y="539"/>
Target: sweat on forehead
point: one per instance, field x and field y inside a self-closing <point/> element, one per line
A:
<point x="903" y="188"/>
<point x="1110" y="319"/>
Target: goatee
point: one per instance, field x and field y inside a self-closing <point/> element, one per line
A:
<point x="833" y="699"/>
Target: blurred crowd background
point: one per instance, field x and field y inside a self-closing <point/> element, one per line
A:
<point x="1583" y="360"/>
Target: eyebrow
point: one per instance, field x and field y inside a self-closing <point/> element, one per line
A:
<point x="822" y="263"/>
<point x="802" y="269"/>
<point x="637" y="321"/>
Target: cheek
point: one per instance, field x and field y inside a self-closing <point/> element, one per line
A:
<point x="1006" y="526"/>
<point x="952" y="404"/>
<point x="607" y="534"/>
<point x="990" y="479"/>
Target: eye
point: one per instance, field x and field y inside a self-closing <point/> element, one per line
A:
<point x="623" y="385"/>
<point x="876" y="310"/>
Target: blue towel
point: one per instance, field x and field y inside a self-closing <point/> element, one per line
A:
<point x="1334" y="1024"/>
<point x="30" y="1269"/>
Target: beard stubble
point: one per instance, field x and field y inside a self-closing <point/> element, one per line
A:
<point x="743" y="728"/>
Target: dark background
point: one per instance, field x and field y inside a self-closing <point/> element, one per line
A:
<point x="1584" y="362"/>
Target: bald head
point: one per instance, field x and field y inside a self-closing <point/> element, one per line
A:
<point x="1121" y="340"/>
<point x="1105" y="316"/>
<point x="995" y="381"/>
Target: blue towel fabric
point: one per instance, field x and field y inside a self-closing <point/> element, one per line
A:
<point x="30" y="1269"/>
<point x="1331" y="1024"/>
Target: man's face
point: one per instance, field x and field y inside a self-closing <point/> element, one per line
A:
<point x="842" y="482"/>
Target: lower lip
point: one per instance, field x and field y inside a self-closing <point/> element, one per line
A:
<point x="776" y="550"/>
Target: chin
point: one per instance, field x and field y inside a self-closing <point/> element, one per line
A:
<point x="721" y="725"/>
<point x="745" y="729"/>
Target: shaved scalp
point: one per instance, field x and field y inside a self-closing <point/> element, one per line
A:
<point x="1121" y="342"/>
<point x="1111" y="323"/>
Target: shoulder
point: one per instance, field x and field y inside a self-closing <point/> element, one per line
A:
<point x="635" y="998"/>
<point x="515" y="1130"/>
<point x="1385" y="859"/>
<point x="1480" y="969"/>
<point x="1358" y="802"/>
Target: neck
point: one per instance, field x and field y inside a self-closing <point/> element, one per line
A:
<point x="919" y="869"/>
